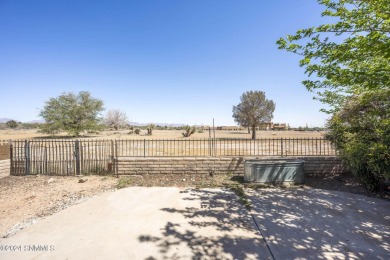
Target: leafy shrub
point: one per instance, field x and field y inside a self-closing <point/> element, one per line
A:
<point x="360" y="132"/>
<point x="150" y="128"/>
<point x="11" y="124"/>
<point x="124" y="182"/>
<point x="188" y="131"/>
<point x="137" y="131"/>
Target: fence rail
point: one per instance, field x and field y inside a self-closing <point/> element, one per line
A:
<point x="69" y="157"/>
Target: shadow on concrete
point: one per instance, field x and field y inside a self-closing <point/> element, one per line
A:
<point x="284" y="224"/>
<point x="218" y="228"/>
<point x="343" y="182"/>
<point x="320" y="224"/>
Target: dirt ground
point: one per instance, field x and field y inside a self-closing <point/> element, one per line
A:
<point x="9" y="134"/>
<point x="26" y="199"/>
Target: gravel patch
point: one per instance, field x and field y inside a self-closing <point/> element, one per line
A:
<point x="24" y="200"/>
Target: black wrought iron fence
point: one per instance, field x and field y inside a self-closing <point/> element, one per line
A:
<point x="61" y="157"/>
<point x="69" y="157"/>
<point x="224" y="147"/>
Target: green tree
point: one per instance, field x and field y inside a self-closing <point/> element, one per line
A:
<point x="349" y="56"/>
<point x="253" y="109"/>
<point x="72" y="113"/>
<point x="11" y="124"/>
<point x="361" y="133"/>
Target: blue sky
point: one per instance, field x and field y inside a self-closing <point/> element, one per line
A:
<point x="158" y="61"/>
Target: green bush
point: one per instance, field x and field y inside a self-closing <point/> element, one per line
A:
<point x="124" y="182"/>
<point x="188" y="131"/>
<point x="360" y="132"/>
<point x="11" y="124"/>
<point x="150" y="128"/>
<point x="137" y="131"/>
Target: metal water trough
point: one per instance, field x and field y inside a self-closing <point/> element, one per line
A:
<point x="274" y="171"/>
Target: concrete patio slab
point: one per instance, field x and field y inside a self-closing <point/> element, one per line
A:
<point x="178" y="223"/>
<point x="144" y="223"/>
<point x="321" y="224"/>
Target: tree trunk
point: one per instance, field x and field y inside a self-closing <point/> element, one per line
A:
<point x="253" y="132"/>
<point x="249" y="130"/>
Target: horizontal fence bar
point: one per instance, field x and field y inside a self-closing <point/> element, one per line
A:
<point x="71" y="157"/>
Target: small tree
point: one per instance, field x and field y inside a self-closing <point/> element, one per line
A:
<point x="150" y="128"/>
<point x="115" y="118"/>
<point x="12" y="124"/>
<point x="71" y="113"/>
<point x="253" y="109"/>
<point x="364" y="141"/>
<point x="188" y="131"/>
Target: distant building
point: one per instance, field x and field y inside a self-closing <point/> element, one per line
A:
<point x="225" y="128"/>
<point x="263" y="126"/>
<point x="233" y="128"/>
<point x="280" y="126"/>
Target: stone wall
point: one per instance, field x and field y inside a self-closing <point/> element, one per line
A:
<point x="324" y="165"/>
<point x="5" y="168"/>
<point x="206" y="165"/>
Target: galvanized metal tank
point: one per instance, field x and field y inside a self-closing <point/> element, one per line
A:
<point x="274" y="171"/>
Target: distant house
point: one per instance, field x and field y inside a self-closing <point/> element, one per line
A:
<point x="280" y="126"/>
<point x="233" y="128"/>
<point x="263" y="126"/>
<point x="224" y="128"/>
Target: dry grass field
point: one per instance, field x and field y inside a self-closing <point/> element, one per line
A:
<point x="9" y="134"/>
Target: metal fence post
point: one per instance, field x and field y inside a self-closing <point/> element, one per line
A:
<point x="116" y="158"/>
<point x="209" y="146"/>
<point x="46" y="162"/>
<point x="144" y="148"/>
<point x="27" y="157"/>
<point x="213" y="153"/>
<point x="77" y="155"/>
<point x="11" y="159"/>
<point x="281" y="146"/>
<point x="320" y="147"/>
<point x="112" y="155"/>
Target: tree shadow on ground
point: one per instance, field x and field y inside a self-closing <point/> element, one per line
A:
<point x="320" y="224"/>
<point x="342" y="182"/>
<point x="287" y="223"/>
<point x="295" y="223"/>
<point x="215" y="226"/>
